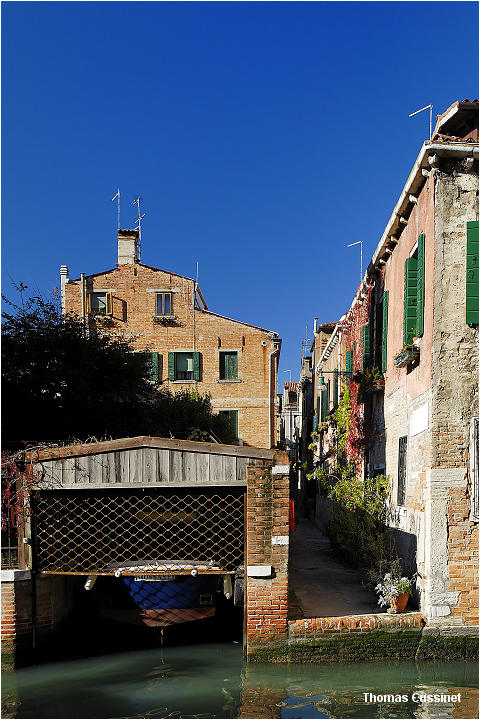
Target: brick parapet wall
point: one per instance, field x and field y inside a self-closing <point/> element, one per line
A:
<point x="308" y="628"/>
<point x="267" y="528"/>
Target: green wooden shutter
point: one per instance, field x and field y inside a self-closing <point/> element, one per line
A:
<point x="420" y="284"/>
<point x="349" y="361"/>
<point x="324" y="405"/>
<point x="472" y="273"/>
<point x="335" y="390"/>
<point x="365" y="333"/>
<point x="410" y="300"/>
<point x="196" y="366"/>
<point x="171" y="366"/>
<point x="154" y="361"/>
<point x="384" y="330"/>
<point x="231" y="366"/>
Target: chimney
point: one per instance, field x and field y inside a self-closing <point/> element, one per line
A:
<point x="315" y="321"/>
<point x="64" y="279"/>
<point x="127" y="247"/>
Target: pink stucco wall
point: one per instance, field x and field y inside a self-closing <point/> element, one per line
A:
<point x="421" y="220"/>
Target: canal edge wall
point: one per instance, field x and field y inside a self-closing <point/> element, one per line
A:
<point x="405" y="636"/>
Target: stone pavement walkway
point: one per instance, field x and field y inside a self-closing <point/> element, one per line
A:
<point x="321" y="585"/>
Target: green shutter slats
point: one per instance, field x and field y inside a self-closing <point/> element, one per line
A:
<point x="349" y="362"/>
<point x="471" y="297"/>
<point x="171" y="366"/>
<point x="154" y="361"/>
<point x="420" y="284"/>
<point x="410" y="300"/>
<point x="196" y="366"/>
<point x="365" y="336"/>
<point x="384" y="330"/>
<point x="335" y="391"/>
<point x="231" y="366"/>
<point x="324" y="406"/>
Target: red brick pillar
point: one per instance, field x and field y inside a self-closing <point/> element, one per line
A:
<point x="16" y="615"/>
<point x="267" y="556"/>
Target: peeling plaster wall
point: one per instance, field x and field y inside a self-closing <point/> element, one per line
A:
<point x="451" y="537"/>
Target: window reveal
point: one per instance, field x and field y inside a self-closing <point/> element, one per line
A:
<point x="163" y="303"/>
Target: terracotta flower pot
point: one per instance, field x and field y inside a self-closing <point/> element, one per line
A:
<point x="398" y="603"/>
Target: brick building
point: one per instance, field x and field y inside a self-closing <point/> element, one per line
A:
<point x="410" y="338"/>
<point x="191" y="347"/>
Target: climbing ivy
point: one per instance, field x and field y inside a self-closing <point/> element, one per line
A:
<point x="341" y="417"/>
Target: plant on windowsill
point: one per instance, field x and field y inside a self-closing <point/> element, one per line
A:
<point x="166" y="320"/>
<point x="104" y="320"/>
<point x="407" y="355"/>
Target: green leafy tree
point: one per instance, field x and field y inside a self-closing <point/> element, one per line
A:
<point x="60" y="385"/>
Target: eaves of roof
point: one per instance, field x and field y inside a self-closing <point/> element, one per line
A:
<point x="256" y="327"/>
<point x="149" y="267"/>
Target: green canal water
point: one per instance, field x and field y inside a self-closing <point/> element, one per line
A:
<point x="212" y="681"/>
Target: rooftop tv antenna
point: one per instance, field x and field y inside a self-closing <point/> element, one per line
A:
<point x="138" y="226"/>
<point x="305" y="344"/>
<point x="421" y="110"/>
<point x="359" y="242"/>
<point x="118" y="210"/>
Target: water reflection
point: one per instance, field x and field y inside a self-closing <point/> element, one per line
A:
<point x="211" y="681"/>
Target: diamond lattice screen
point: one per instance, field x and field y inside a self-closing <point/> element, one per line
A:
<point x="99" y="530"/>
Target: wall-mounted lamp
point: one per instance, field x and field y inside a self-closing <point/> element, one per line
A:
<point x="321" y="380"/>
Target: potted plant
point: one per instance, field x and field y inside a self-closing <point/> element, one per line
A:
<point x="394" y="591"/>
<point x="406" y="355"/>
<point x="377" y="378"/>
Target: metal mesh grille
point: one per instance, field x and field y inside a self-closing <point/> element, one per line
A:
<point x="99" y="531"/>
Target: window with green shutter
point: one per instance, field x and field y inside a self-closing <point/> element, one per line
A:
<point x="384" y="329"/>
<point x="410" y="300"/>
<point x="365" y="336"/>
<point x="184" y="366"/>
<point x="472" y="273"/>
<point x="420" y="284"/>
<point x="228" y="365"/>
<point x="324" y="405"/>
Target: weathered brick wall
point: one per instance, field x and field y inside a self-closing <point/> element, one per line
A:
<point x="462" y="556"/>
<point x="53" y="602"/>
<point x="8" y="611"/>
<point x="133" y="289"/>
<point x="453" y="539"/>
<point x="267" y="530"/>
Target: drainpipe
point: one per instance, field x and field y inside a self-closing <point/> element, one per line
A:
<point x="193" y="322"/>
<point x="82" y="285"/>
<point x="270" y="408"/>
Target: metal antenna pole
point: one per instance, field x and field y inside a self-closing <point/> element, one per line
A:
<point x="359" y="242"/>
<point x="421" y="110"/>
<point x="118" y="209"/>
<point x="139" y="225"/>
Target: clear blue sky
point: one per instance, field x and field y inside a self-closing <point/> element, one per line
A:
<point x="262" y="137"/>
